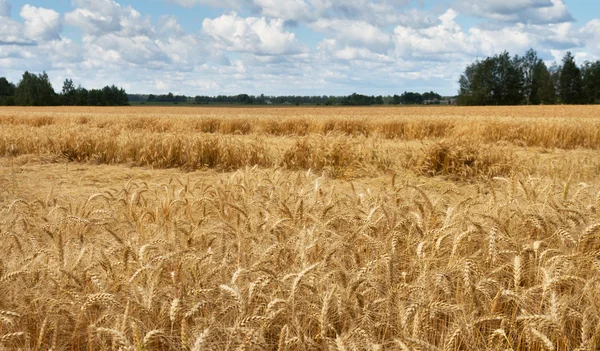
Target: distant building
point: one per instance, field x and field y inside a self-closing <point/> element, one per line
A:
<point x="268" y="102"/>
<point x="448" y="102"/>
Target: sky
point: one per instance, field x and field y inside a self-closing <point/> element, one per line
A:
<point x="284" y="47"/>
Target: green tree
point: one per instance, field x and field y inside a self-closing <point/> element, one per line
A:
<point x="591" y="82"/>
<point x="530" y="67"/>
<point x="546" y="84"/>
<point x="68" y="92"/>
<point x="95" y="98"/>
<point x="570" y="83"/>
<point x="497" y="80"/>
<point x="244" y="99"/>
<point x="35" y="90"/>
<point x="477" y="84"/>
<point x="410" y="98"/>
<point x="431" y="96"/>
<point x="508" y="80"/>
<point x="81" y="96"/>
<point x="108" y="96"/>
<point x="7" y="92"/>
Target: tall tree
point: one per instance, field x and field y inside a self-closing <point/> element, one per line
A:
<point x="530" y="64"/>
<point x="68" y="92"/>
<point x="410" y="98"/>
<point x="7" y="92"/>
<point x="570" y="82"/>
<point x="508" y="87"/>
<point x="81" y="96"/>
<point x="496" y="80"/>
<point x="35" y="90"/>
<point x="591" y="82"/>
<point x="546" y="84"/>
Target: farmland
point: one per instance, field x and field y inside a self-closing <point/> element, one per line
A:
<point x="388" y="228"/>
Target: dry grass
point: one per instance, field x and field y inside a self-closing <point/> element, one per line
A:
<point x="452" y="244"/>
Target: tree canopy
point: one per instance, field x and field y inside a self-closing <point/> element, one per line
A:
<point x="506" y="80"/>
<point x="570" y="82"/>
<point x="7" y="92"/>
<point x="36" y="90"/>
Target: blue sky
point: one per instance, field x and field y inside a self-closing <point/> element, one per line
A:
<point x="301" y="47"/>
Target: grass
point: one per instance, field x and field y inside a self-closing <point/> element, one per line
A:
<point x="250" y="230"/>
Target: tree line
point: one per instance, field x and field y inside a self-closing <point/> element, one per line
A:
<point x="36" y="90"/>
<point x="526" y="80"/>
<point x="407" y="98"/>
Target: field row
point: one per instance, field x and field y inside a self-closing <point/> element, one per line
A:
<point x="335" y="156"/>
<point x="319" y="112"/>
<point x="559" y="132"/>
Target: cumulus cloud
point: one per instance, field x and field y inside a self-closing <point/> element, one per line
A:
<point x="381" y="12"/>
<point x="331" y="49"/>
<point x="294" y="10"/>
<point x="448" y="39"/>
<point x="98" y="17"/>
<point x="260" y="36"/>
<point x="393" y="12"/>
<point x="4" y="8"/>
<point x="41" y="23"/>
<point x="354" y="33"/>
<point x="523" y="11"/>
<point x="11" y="33"/>
<point x="116" y="35"/>
<point x="368" y="46"/>
<point x="227" y="4"/>
<point x="434" y="42"/>
<point x="590" y="33"/>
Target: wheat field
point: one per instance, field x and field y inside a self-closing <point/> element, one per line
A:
<point x="388" y="228"/>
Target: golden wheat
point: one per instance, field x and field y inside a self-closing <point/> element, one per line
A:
<point x="320" y="231"/>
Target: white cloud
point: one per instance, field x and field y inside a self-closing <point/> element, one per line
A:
<point x="522" y="11"/>
<point x="11" y="33"/>
<point x="97" y="17"/>
<point x="448" y="39"/>
<point x="380" y="12"/>
<point x="295" y="10"/>
<point x="376" y="12"/>
<point x="260" y="36"/>
<point x="354" y="33"/>
<point x="61" y="53"/>
<point x="331" y="48"/>
<point x="120" y="35"/>
<point x="41" y="23"/>
<point x="4" y="8"/>
<point x="434" y="42"/>
<point x="227" y="4"/>
<point x="591" y="33"/>
<point x="503" y="6"/>
<point x="140" y="50"/>
<point x="169" y="24"/>
<point x="367" y="46"/>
